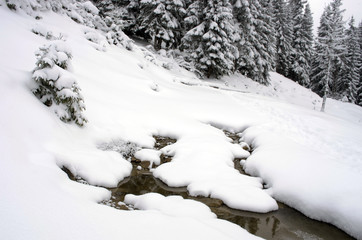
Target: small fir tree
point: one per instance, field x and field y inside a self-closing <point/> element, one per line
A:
<point x="55" y="87"/>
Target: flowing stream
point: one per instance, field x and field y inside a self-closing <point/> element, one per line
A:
<point x="285" y="223"/>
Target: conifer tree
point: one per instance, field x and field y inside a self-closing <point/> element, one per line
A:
<point x="193" y="15"/>
<point x="130" y="17"/>
<point x="256" y="44"/>
<point x="329" y="49"/>
<point x="160" y="19"/>
<point x="318" y="61"/>
<point x="339" y="60"/>
<point x="283" y="37"/>
<point x="210" y="43"/>
<point x="299" y="67"/>
<point x="267" y="31"/>
<point x="307" y="26"/>
<point x="351" y="75"/>
<point x="55" y="87"/>
<point x="359" y="88"/>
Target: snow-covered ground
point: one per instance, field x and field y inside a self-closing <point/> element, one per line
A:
<point x="306" y="159"/>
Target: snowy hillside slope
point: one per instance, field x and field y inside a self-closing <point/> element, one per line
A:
<point x="307" y="159"/>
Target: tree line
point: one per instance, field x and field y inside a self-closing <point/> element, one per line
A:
<point x="253" y="37"/>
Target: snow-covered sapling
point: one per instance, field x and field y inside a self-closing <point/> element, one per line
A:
<point x="56" y="87"/>
<point x="11" y="5"/>
<point x="127" y="149"/>
<point x="42" y="31"/>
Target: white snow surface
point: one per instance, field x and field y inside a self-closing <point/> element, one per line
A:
<point x="205" y="154"/>
<point x="171" y="205"/>
<point x="307" y="159"/>
<point x="176" y="206"/>
<point x="151" y="155"/>
<point x="89" y="6"/>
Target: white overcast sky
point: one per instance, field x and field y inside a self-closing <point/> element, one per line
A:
<point x="353" y="7"/>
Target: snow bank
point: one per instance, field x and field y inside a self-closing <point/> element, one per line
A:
<point x="172" y="205"/>
<point x="280" y="89"/>
<point x="311" y="161"/>
<point x="208" y="170"/>
<point x="189" y="210"/>
<point x="153" y="156"/>
<point x="99" y="168"/>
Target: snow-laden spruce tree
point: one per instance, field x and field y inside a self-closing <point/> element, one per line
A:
<point x="211" y="43"/>
<point x="351" y="70"/>
<point x="110" y="21"/>
<point x="160" y="19"/>
<point x="267" y="31"/>
<point x="256" y="44"/>
<point x="339" y="60"/>
<point x="329" y="50"/>
<point x="320" y="60"/>
<point x="83" y="12"/>
<point x="130" y="25"/>
<point x="122" y="12"/>
<point x="359" y="87"/>
<point x="56" y="87"/>
<point x="283" y="37"/>
<point x="299" y="57"/>
<point x="193" y="15"/>
<point x="308" y="38"/>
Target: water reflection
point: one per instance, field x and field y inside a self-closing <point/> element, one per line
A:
<point x="286" y="223"/>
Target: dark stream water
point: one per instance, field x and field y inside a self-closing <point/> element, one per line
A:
<point x="285" y="223"/>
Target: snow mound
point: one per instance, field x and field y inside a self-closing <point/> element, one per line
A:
<point x="172" y="205"/>
<point x="204" y="163"/>
<point x="99" y="168"/>
<point x="151" y="155"/>
<point x="189" y="211"/>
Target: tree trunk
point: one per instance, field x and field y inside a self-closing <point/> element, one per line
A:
<point x="324" y="102"/>
<point x="326" y="86"/>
